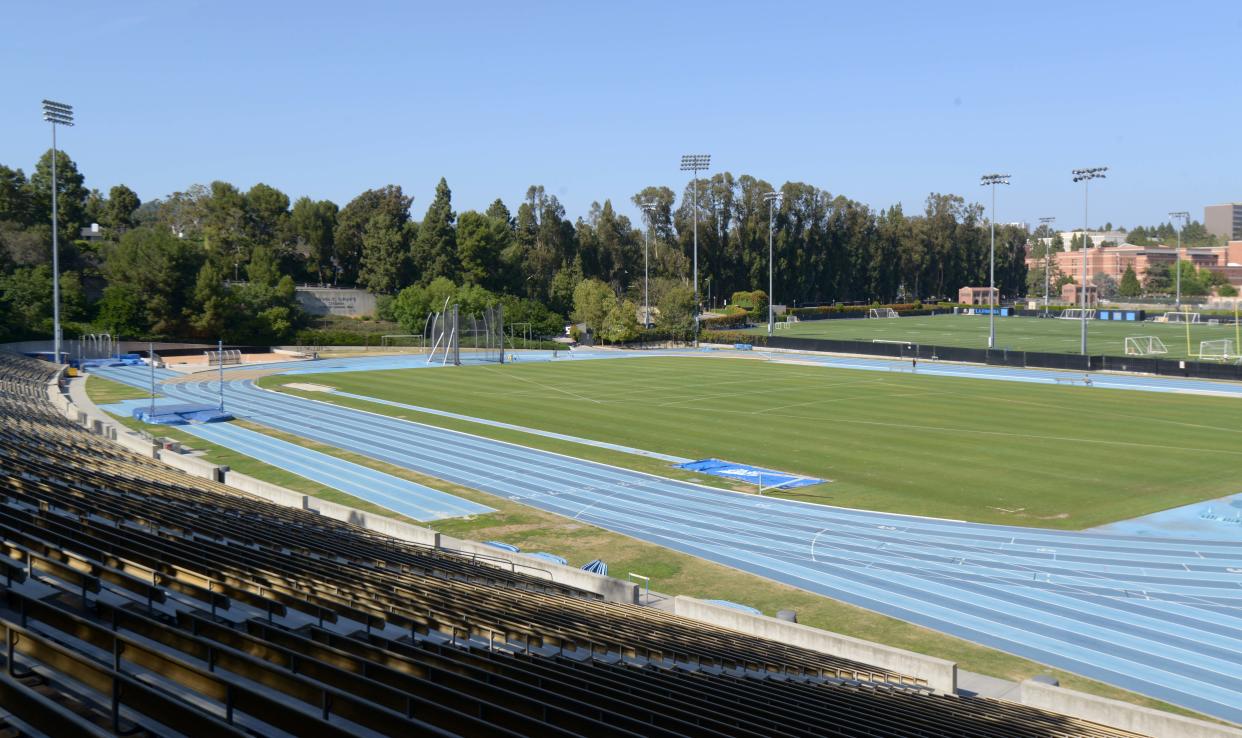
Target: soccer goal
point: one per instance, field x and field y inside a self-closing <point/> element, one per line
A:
<point x="1218" y="350"/>
<point x="1181" y="317"/>
<point x="1145" y="346"/>
<point x="1077" y="314"/>
<point x="882" y="313"/>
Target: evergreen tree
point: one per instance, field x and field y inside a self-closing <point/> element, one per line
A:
<point x="1129" y="286"/>
<point x="435" y="250"/>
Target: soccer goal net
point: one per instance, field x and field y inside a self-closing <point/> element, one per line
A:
<point x="1181" y="317"/>
<point x="1145" y="346"/>
<point x="1077" y="314"/>
<point x="1217" y="350"/>
<point x="882" y="313"/>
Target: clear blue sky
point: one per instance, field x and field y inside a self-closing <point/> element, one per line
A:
<point x="882" y="102"/>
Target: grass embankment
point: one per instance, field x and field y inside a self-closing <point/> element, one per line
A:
<point x="986" y="451"/>
<point x="672" y="572"/>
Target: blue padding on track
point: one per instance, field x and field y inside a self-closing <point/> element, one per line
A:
<point x="549" y="557"/>
<point x="751" y="474"/>
<point x="396" y="494"/>
<point x="736" y="606"/>
<point x="503" y="546"/>
<point x="596" y="567"/>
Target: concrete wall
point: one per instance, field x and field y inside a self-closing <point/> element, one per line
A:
<point x="371" y="521"/>
<point x="334" y="301"/>
<point x="1123" y="715"/>
<point x="941" y="675"/>
<point x="612" y="590"/>
<point x="191" y="465"/>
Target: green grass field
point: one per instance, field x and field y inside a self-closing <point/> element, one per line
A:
<point x="987" y="451"/>
<point x="1019" y="334"/>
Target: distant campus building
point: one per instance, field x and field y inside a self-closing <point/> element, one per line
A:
<point x="1114" y="260"/>
<point x="1224" y="221"/>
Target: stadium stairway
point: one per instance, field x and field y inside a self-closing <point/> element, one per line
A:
<point x="138" y="600"/>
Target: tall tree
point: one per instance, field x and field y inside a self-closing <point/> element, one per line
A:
<point x="71" y="193"/>
<point x="267" y="215"/>
<point x="385" y="255"/>
<point x="353" y="219"/>
<point x="481" y="239"/>
<point x="118" y="212"/>
<point x="160" y="271"/>
<point x="312" y="225"/>
<point x="435" y="250"/>
<point x="15" y="205"/>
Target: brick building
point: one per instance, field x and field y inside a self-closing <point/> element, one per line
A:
<point x="1113" y="260"/>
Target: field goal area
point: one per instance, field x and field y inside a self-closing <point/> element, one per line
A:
<point x="1181" y="317"/>
<point x="227" y="357"/>
<point x="1145" y="346"/>
<point x="1220" y="349"/>
<point x="882" y="313"/>
<point x="1077" y="314"/>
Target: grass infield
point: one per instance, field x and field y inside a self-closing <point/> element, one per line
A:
<point x="987" y="451"/>
<point x="1051" y="335"/>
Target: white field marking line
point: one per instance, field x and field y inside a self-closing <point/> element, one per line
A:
<point x="824" y="401"/>
<point x="511" y="375"/>
<point x="621" y="487"/>
<point x="813" y="540"/>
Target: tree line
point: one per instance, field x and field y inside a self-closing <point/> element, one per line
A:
<point x="218" y="261"/>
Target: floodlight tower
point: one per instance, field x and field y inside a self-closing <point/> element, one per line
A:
<point x="1085" y="176"/>
<point x="696" y="163"/>
<point x="1048" y="221"/>
<point x="1182" y="216"/>
<point x="58" y="114"/>
<point x="772" y="198"/>
<point x="648" y="207"/>
<point x="991" y="180"/>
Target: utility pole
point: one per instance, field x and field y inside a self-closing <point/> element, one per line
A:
<point x="696" y="163"/>
<point x="1182" y="216"/>
<point x="772" y="199"/>
<point x="648" y="207"/>
<point x="991" y="180"/>
<point x="58" y="114"/>
<point x="1048" y="221"/>
<point x="1085" y="176"/>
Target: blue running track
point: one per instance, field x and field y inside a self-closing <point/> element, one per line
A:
<point x="1160" y="616"/>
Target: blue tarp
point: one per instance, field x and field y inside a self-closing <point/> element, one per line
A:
<point x="751" y="474"/>
<point x="180" y="414"/>
<point x="596" y="567"/>
<point x="550" y="557"/>
<point x="736" y="606"/>
<point x="503" y="546"/>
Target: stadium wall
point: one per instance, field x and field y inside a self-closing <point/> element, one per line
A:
<point x="1142" y="720"/>
<point x="612" y="590"/>
<point x="939" y="674"/>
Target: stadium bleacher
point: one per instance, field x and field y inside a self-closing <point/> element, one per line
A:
<point x="138" y="600"/>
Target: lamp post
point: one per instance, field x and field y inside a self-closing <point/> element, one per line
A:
<point x="696" y="163"/>
<point x="1183" y="216"/>
<point x="58" y="114"/>
<point x="648" y="207"/>
<point x="1085" y="176"/>
<point x="991" y="180"/>
<point x="1048" y="221"/>
<point x="772" y="199"/>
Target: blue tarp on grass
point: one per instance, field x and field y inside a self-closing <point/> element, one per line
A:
<point x="180" y="414"/>
<point x="752" y="474"/>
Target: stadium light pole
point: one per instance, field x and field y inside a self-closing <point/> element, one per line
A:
<point x="772" y="199"/>
<point x="1048" y="221"/>
<point x="1085" y="176"/>
<point x="1182" y="216"/>
<point x="58" y="114"/>
<point x="696" y="163"/>
<point x="991" y="180"/>
<point x="220" y="358"/>
<point x="648" y="207"/>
